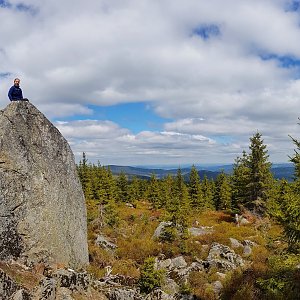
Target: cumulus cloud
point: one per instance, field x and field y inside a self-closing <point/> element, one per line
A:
<point x="214" y="67"/>
<point x="107" y="142"/>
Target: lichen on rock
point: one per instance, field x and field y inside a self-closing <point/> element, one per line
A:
<point x="42" y="207"/>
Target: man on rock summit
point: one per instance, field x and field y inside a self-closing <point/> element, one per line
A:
<point x="15" y="92"/>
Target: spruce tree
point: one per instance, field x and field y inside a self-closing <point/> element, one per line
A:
<point x="154" y="192"/>
<point x="240" y="181"/>
<point x="222" y="192"/>
<point x="195" y="190"/>
<point x="260" y="176"/>
<point x="179" y="203"/>
<point x="122" y="188"/>
<point x="208" y="192"/>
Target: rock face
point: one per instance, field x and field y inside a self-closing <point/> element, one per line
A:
<point x="42" y="207"/>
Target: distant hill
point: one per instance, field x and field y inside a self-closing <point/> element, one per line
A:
<point x="279" y="171"/>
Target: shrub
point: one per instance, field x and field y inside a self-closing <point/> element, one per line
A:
<point x="150" y="278"/>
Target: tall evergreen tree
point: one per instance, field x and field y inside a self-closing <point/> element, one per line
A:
<point x="154" y="192"/>
<point x="195" y="190"/>
<point x="178" y="206"/>
<point x="240" y="180"/>
<point x="122" y="188"/>
<point x="260" y="176"/>
<point x="222" y="192"/>
<point x="208" y="192"/>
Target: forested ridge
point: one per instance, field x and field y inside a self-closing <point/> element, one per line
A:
<point x="128" y="211"/>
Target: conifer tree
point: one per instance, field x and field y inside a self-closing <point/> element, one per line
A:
<point x="166" y="189"/>
<point x="134" y="190"/>
<point x="179" y="204"/>
<point x="122" y="188"/>
<point x="154" y="192"/>
<point x="240" y="181"/>
<point x="222" y="192"/>
<point x="208" y="192"/>
<point x="260" y="176"/>
<point x="195" y="190"/>
<point x="296" y="158"/>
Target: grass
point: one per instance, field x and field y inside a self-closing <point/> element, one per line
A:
<point x="134" y="234"/>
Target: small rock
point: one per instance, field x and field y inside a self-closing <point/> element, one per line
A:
<point x="235" y="243"/>
<point x="164" y="264"/>
<point x="223" y="258"/>
<point x="160" y="229"/>
<point x="104" y="243"/>
<point x="221" y="275"/>
<point x="158" y="294"/>
<point x="217" y="286"/>
<point x="20" y="295"/>
<point x="249" y="243"/>
<point x="129" y="205"/>
<point x="247" y="250"/>
<point x="123" y="294"/>
<point x="47" y="290"/>
<point x="179" y="262"/>
<point x="170" y="286"/>
<point x="198" y="231"/>
<point x="244" y="221"/>
<point x="64" y="294"/>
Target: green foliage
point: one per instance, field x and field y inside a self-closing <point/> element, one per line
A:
<point x="154" y="192"/>
<point x="252" y="178"/>
<point x="222" y="192"/>
<point x="208" y="189"/>
<point x="282" y="280"/>
<point x="179" y="203"/>
<point x="285" y="208"/>
<point x="169" y="234"/>
<point x="150" y="278"/>
<point x="122" y="188"/>
<point x="195" y="190"/>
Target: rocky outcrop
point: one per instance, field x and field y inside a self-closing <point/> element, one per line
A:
<point x="42" y="207"/>
<point x="223" y="258"/>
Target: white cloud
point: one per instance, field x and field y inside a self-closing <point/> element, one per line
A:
<point x="73" y="53"/>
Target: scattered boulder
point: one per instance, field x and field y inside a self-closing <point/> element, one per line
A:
<point x="20" y="295"/>
<point x="217" y="287"/>
<point x="178" y="262"/>
<point x="42" y="215"/>
<point x="244" y="221"/>
<point x="235" y="243"/>
<point x="247" y="250"/>
<point x="160" y="229"/>
<point x="170" y="286"/>
<point x="223" y="258"/>
<point x="123" y="294"/>
<point x="198" y="231"/>
<point x="158" y="294"/>
<point x="104" y="243"/>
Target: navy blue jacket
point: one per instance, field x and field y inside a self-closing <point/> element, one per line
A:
<point x="15" y="93"/>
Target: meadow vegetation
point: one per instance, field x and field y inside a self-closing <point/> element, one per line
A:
<point x="128" y="212"/>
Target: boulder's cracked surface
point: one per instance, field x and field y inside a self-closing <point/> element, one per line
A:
<point x="42" y="207"/>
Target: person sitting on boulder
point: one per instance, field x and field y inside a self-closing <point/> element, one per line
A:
<point x="15" y="92"/>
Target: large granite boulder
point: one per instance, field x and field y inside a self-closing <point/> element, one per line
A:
<point x="42" y="207"/>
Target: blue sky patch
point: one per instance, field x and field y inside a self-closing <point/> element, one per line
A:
<point x="133" y="116"/>
<point x="26" y="8"/>
<point x="284" y="61"/>
<point x="207" y="31"/>
<point x="5" y="4"/>
<point x="293" y="5"/>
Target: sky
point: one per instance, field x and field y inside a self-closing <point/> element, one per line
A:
<point x="158" y="82"/>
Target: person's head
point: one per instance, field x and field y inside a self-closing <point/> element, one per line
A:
<point x="17" y="82"/>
